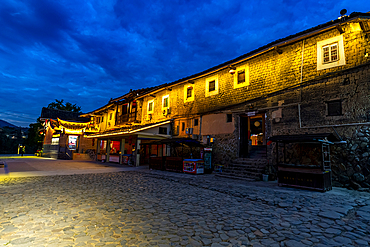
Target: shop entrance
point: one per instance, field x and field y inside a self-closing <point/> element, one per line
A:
<point x="252" y="136"/>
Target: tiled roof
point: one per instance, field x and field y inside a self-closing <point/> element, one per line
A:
<point x="64" y="115"/>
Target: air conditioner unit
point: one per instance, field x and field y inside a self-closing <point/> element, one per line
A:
<point x="189" y="131"/>
<point x="166" y="111"/>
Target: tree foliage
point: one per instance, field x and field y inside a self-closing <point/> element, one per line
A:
<point x="34" y="138"/>
<point x="60" y="105"/>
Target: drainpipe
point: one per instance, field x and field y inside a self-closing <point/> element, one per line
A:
<point x="300" y="90"/>
<point x="200" y="128"/>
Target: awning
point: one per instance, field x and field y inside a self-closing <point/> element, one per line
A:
<point x="321" y="137"/>
<point x="177" y="142"/>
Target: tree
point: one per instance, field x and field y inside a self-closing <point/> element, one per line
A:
<point x="34" y="138"/>
<point x="59" y="105"/>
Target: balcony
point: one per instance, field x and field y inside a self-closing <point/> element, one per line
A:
<point x="126" y="118"/>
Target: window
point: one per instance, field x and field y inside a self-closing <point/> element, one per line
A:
<point x="241" y="76"/>
<point x="212" y="86"/>
<point x="102" y="119"/>
<point x="162" y="130"/>
<point x="150" y="106"/>
<point x="334" y="108"/>
<point x="110" y="116"/>
<point x="196" y="122"/>
<point x="182" y="126"/>
<point x="189" y="92"/>
<point x="166" y="101"/>
<point x="330" y="53"/>
<point x="229" y="118"/>
<point x="124" y="109"/>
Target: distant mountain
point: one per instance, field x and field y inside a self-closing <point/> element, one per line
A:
<point x="6" y="124"/>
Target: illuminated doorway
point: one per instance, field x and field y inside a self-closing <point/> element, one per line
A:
<point x="252" y="136"/>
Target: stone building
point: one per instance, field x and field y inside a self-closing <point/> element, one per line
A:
<point x="315" y="81"/>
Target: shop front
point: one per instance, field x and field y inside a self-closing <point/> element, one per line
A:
<point x="66" y="139"/>
<point x="128" y="146"/>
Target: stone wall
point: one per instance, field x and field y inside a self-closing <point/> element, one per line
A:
<point x="225" y="149"/>
<point x="350" y="161"/>
<point x="268" y="73"/>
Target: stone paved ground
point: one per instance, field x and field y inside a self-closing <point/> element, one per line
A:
<point x="154" y="208"/>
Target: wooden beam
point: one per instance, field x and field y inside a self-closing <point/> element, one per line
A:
<point x="340" y="29"/>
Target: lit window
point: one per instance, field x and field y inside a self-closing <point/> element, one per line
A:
<point x="330" y="53"/>
<point x="241" y="76"/>
<point x="212" y="86"/>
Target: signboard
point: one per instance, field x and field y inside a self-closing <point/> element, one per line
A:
<point x="72" y="142"/>
<point x="55" y="141"/>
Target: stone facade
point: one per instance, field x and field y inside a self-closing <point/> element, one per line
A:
<point x="316" y="81"/>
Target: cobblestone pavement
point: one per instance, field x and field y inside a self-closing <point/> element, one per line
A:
<point x="154" y="208"/>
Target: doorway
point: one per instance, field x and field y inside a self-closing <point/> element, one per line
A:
<point x="252" y="136"/>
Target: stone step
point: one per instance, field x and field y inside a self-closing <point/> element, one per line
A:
<point x="244" y="168"/>
<point x="243" y="173"/>
<point x="250" y="161"/>
<point x="242" y="165"/>
<point x="235" y="177"/>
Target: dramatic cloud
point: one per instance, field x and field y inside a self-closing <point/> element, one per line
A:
<point x="87" y="52"/>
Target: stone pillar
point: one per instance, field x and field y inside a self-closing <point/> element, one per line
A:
<point x="122" y="150"/>
<point x="108" y="150"/>
<point x="137" y="152"/>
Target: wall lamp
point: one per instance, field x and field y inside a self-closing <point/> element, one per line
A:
<point x="232" y="70"/>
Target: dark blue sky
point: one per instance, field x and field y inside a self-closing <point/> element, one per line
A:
<point x="89" y="51"/>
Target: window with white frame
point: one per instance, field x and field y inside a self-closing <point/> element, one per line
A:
<point x="330" y="53"/>
<point x="188" y="92"/>
<point x="166" y="101"/>
<point x="241" y="76"/>
<point x="212" y="86"/>
<point x="150" y="106"/>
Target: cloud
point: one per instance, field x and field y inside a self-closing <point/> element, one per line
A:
<point x="87" y="52"/>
